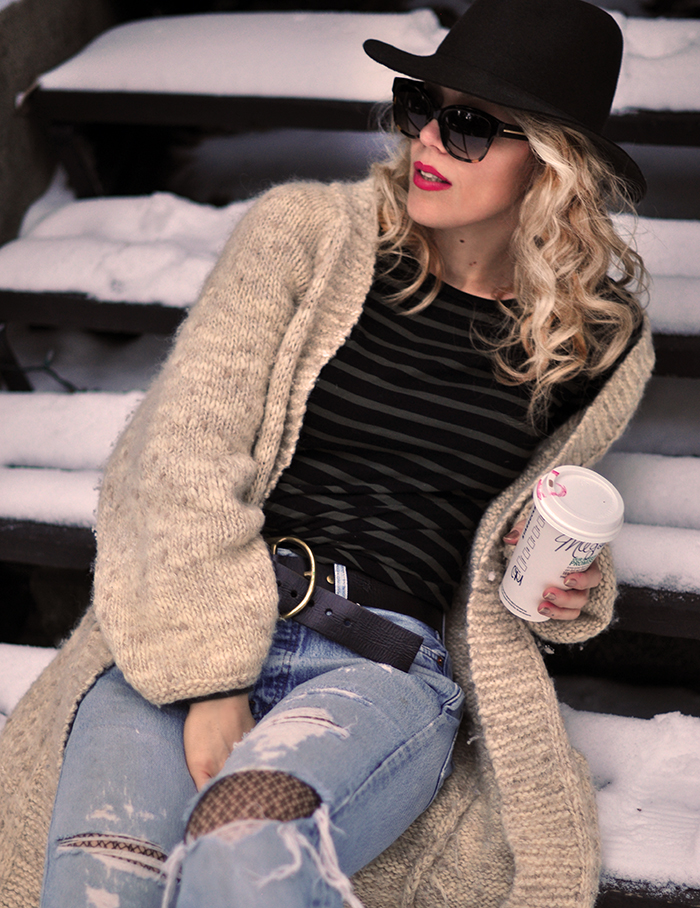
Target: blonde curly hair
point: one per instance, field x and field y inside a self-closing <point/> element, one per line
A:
<point x="577" y="282"/>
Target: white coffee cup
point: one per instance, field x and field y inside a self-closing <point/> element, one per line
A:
<point x="576" y="512"/>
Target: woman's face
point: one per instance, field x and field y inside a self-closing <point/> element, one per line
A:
<point x="447" y="194"/>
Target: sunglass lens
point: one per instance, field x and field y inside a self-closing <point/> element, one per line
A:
<point x="466" y="134"/>
<point x="412" y="110"/>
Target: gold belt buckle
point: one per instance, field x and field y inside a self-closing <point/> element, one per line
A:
<point x="311" y="574"/>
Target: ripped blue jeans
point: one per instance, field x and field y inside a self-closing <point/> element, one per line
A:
<point x="373" y="742"/>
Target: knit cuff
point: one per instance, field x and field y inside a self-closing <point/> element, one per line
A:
<point x="219" y="695"/>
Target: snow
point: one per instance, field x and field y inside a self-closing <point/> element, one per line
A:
<point x="19" y="668"/>
<point x="228" y="54"/>
<point x="64" y="431"/>
<point x="157" y="248"/>
<point x="656" y="467"/>
<point x="657" y="490"/>
<point x="62" y="497"/>
<point x="660" y="557"/>
<point x="670" y="251"/>
<point x="647" y="776"/>
<point x="52" y="452"/>
<point x="660" y="65"/>
<point x="224" y="54"/>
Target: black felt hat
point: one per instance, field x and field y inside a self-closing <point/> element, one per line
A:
<point x="555" y="57"/>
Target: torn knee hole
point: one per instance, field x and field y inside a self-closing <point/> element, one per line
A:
<point x="252" y="795"/>
<point x="119" y="849"/>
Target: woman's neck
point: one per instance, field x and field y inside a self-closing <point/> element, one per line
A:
<point x="476" y="262"/>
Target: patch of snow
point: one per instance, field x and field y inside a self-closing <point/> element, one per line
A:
<point x="63" y="497"/>
<point x="52" y="451"/>
<point x="148" y="249"/>
<point x="657" y="490"/>
<point x="62" y="431"/>
<point x="660" y="557"/>
<point x="670" y="251"/>
<point x="161" y="247"/>
<point x="660" y="64"/>
<point x="20" y="666"/>
<point x="647" y="775"/>
<point x="229" y="54"/>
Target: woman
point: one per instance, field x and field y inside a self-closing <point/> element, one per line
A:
<point x="367" y="368"/>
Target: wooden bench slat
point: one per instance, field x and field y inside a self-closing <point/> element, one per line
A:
<point x="655" y="127"/>
<point x="209" y="112"/>
<point x="78" y="310"/>
<point x="627" y="894"/>
<point x="676" y="354"/>
<point x="242" y="114"/>
<point x="48" y="545"/>
<point x="666" y="613"/>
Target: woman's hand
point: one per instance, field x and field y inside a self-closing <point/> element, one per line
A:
<point x="212" y="727"/>
<point x="562" y="604"/>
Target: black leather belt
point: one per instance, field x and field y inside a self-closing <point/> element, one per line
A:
<point x="308" y="598"/>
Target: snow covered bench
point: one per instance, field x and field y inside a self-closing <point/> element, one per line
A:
<point x="233" y="71"/>
<point x="670" y="252"/>
<point x="656" y="466"/>
<point x="52" y="451"/>
<point x="193" y="65"/>
<point x="259" y="70"/>
<point x="645" y="771"/>
<point x="126" y="265"/>
<point x="135" y="264"/>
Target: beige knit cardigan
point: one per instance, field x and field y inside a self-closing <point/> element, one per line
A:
<point x="185" y="598"/>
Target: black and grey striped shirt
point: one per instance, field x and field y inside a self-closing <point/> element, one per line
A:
<point x="407" y="438"/>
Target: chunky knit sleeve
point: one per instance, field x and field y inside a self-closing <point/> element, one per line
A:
<point x="184" y="588"/>
<point x="584" y="441"/>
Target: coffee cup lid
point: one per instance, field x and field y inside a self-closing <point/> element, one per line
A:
<point x="580" y="502"/>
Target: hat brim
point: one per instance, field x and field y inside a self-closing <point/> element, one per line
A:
<point x="462" y="76"/>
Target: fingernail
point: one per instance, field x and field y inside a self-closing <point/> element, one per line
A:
<point x="510" y="538"/>
<point x="550" y="597"/>
<point x="570" y="581"/>
<point x="547" y="612"/>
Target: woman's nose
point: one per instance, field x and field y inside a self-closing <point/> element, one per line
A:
<point x="430" y="135"/>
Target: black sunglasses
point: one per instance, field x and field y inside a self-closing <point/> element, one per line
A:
<point x="466" y="133"/>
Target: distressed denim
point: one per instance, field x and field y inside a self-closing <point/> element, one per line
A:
<point x="373" y="742"/>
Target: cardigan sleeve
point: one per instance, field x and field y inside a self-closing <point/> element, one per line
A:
<point x="184" y="587"/>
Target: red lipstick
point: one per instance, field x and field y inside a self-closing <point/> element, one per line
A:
<point x="428" y="178"/>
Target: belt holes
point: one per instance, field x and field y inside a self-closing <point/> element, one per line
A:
<point x="293" y="594"/>
<point x="347" y="622"/>
<point x="329" y="612"/>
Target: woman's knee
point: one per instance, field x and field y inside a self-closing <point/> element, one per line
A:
<point x="252" y="795"/>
